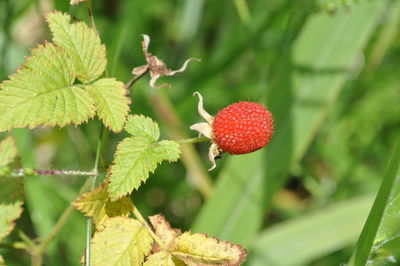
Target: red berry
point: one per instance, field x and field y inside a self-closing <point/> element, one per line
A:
<point x="243" y="127"/>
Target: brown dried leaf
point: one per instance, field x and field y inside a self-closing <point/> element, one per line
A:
<point x="156" y="67"/>
<point x="163" y="229"/>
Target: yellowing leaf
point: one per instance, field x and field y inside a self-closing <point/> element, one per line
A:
<point x="141" y="126"/>
<point x="2" y="263"/>
<point x="111" y="101"/>
<point x="82" y="44"/>
<point x="163" y="229"/>
<point x="42" y="93"/>
<point x="135" y="158"/>
<point x="10" y="203"/>
<point x="198" y="249"/>
<point x="97" y="205"/>
<point x="8" y="151"/>
<point x="123" y="242"/>
<point x="160" y="259"/>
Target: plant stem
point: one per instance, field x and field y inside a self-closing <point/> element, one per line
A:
<point x="37" y="253"/>
<point x="193" y="140"/>
<point x="102" y="138"/>
<point x="148" y="227"/>
<point x="134" y="79"/>
<point x="14" y="245"/>
<point x="90" y="13"/>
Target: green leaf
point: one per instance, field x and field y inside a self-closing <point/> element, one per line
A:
<point x="42" y="93"/>
<point x="135" y="158"/>
<point x="198" y="249"/>
<point x="82" y="44"/>
<point x="123" y="242"/>
<point x="299" y="100"/>
<point x="376" y="216"/>
<point x="112" y="104"/>
<point x="96" y="204"/>
<point x="138" y="125"/>
<point x="160" y="258"/>
<point x="332" y="227"/>
<point x="11" y="190"/>
<point x="8" y="151"/>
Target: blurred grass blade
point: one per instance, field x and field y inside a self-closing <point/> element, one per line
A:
<point x="311" y="236"/>
<point x="306" y="85"/>
<point x="375" y="217"/>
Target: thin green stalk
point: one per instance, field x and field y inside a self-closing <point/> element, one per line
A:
<point x="37" y="253"/>
<point x="193" y="140"/>
<point x="14" y="245"/>
<point x="144" y="223"/>
<point x="90" y="12"/>
<point x="102" y="138"/>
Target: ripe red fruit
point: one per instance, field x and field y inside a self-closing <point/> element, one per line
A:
<point x="242" y="127"/>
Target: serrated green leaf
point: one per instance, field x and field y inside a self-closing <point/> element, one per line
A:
<point x="138" y="125"/>
<point x="198" y="249"/>
<point x="42" y="93"/>
<point x="123" y="242"/>
<point x="97" y="205"/>
<point x="111" y="102"/>
<point x="160" y="258"/>
<point x="82" y="44"/>
<point x="10" y="203"/>
<point x="135" y="158"/>
<point x="8" y="151"/>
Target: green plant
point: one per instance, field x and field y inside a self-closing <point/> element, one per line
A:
<point x="62" y="83"/>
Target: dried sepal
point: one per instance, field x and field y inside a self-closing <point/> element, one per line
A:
<point x="209" y="118"/>
<point x="157" y="67"/>
<point x="76" y="2"/>
<point x="214" y="152"/>
<point x="205" y="128"/>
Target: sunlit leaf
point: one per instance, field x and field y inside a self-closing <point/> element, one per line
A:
<point x="8" y="151"/>
<point x="11" y="195"/>
<point x="138" y="125"/>
<point x="139" y="155"/>
<point x="42" y="93"/>
<point x="160" y="258"/>
<point x="123" y="242"/>
<point x="111" y="101"/>
<point x="82" y="44"/>
<point x="97" y="205"/>
<point x="198" y="249"/>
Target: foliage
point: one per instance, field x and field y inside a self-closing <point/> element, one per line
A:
<point x="328" y="75"/>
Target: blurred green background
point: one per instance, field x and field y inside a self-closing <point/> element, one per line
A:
<point x="327" y="70"/>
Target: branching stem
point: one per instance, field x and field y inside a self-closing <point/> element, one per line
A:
<point x="148" y="227"/>
<point x="134" y="79"/>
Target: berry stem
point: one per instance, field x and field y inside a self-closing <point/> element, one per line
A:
<point x="193" y="140"/>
